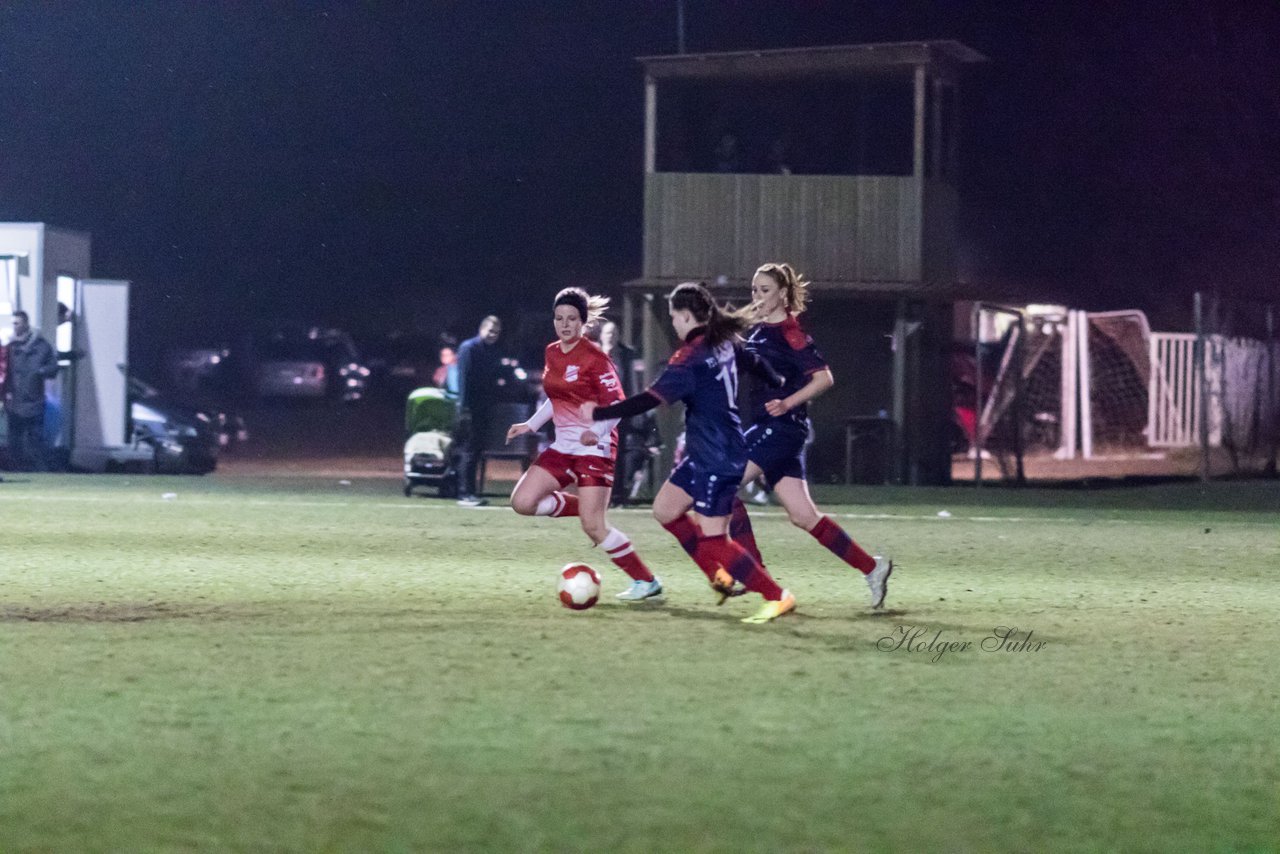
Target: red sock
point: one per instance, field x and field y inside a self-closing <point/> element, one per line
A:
<point x="687" y="534"/>
<point x="566" y="505"/>
<point x="842" y="545"/>
<point x="740" y="530"/>
<point x="722" y="551"/>
<point x="620" y="551"/>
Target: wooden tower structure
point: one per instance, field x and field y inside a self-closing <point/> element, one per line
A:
<point x="884" y="237"/>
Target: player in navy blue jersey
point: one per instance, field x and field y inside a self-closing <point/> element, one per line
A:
<point x="695" y="503"/>
<point x="780" y="423"/>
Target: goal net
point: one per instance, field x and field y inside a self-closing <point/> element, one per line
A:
<point x="1070" y="383"/>
<point x="1025" y="402"/>
<point x="1102" y="385"/>
<point x="1114" y="380"/>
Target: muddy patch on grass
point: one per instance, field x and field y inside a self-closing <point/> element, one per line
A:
<point x="109" y="612"/>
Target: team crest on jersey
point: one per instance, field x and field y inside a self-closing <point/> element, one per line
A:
<point x="571" y="374"/>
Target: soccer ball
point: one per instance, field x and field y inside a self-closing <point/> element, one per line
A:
<point x="578" y="586"/>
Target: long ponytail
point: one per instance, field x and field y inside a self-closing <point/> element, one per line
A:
<point x="722" y="324"/>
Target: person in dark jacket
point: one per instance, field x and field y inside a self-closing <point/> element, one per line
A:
<point x="31" y="361"/>
<point x="479" y="361"/>
<point x="632" y="432"/>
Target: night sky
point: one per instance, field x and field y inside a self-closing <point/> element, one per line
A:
<point x="382" y="164"/>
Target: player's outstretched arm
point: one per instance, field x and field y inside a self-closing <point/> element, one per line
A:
<point x="634" y="405"/>
<point x="535" y="422"/>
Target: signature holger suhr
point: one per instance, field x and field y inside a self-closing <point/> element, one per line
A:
<point x="936" y="643"/>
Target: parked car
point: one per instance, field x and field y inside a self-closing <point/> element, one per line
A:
<point x="400" y="362"/>
<point x="211" y="380"/>
<point x="315" y="363"/>
<point x="198" y="370"/>
<point x="185" y="440"/>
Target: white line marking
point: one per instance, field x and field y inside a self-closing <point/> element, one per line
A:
<point x="407" y="504"/>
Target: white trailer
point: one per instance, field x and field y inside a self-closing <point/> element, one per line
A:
<point x="44" y="271"/>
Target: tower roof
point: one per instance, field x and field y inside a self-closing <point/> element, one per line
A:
<point x="850" y="60"/>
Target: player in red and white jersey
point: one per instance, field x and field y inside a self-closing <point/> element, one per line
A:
<point x="577" y="371"/>
<point x="582" y="375"/>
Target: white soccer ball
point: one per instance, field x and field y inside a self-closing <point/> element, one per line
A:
<point x="578" y="586"/>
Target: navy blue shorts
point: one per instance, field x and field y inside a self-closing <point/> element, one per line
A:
<point x="778" y="449"/>
<point x="712" y="492"/>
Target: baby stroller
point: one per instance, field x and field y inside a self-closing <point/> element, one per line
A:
<point x="428" y="461"/>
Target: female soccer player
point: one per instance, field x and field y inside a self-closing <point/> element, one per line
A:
<point x="577" y="371"/>
<point x="703" y="373"/>
<point x="780" y="422"/>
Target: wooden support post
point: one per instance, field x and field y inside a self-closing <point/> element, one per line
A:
<point x="628" y="335"/>
<point x="1271" y="410"/>
<point x="936" y="137"/>
<point x="1018" y="342"/>
<point x="917" y="136"/>
<point x="918" y="168"/>
<point x="650" y="125"/>
<point x="648" y="338"/>
<point x="1201" y="359"/>
<point x="979" y="438"/>
<point x="900" y="392"/>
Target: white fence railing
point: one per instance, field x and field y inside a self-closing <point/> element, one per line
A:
<point x="1240" y="396"/>
<point x="1173" y="402"/>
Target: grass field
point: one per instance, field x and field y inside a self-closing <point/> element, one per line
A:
<point x="302" y="665"/>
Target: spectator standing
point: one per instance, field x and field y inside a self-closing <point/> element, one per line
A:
<point x="622" y="356"/>
<point x="478" y="366"/>
<point x="31" y="361"/>
<point x="632" y="432"/>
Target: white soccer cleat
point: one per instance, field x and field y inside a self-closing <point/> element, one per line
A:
<point x="642" y="590"/>
<point x="878" y="580"/>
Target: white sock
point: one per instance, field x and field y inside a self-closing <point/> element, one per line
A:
<point x="616" y="543"/>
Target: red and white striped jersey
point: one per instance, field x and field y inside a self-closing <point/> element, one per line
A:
<point x="583" y="375"/>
